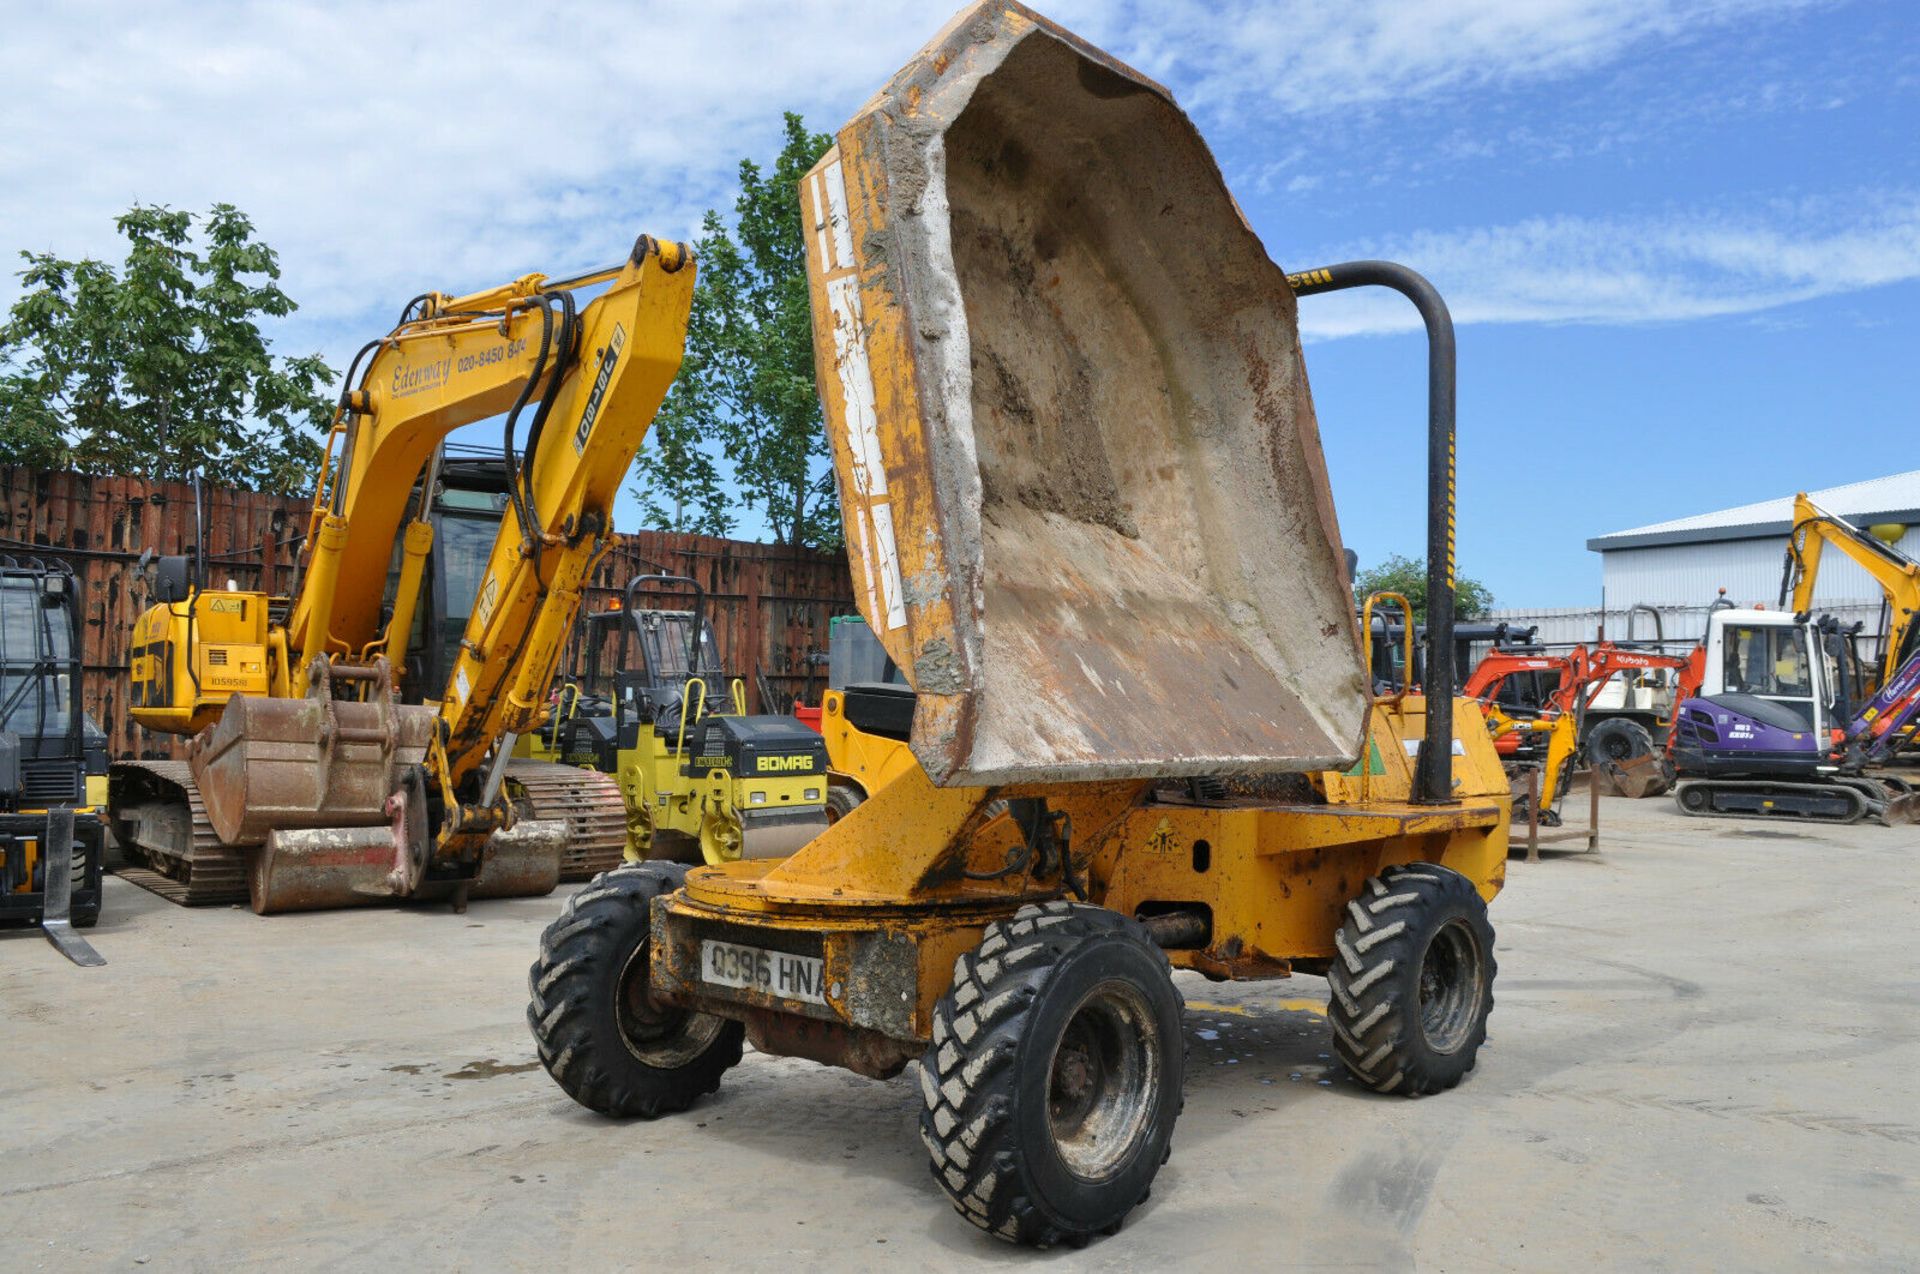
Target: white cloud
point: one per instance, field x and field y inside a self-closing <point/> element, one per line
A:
<point x="1629" y="270"/>
<point x="388" y="148"/>
<point x="1312" y="58"/>
<point x="383" y="148"/>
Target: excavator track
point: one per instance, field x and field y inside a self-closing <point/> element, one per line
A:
<point x="195" y="869"/>
<point x="1833" y="803"/>
<point x="592" y="806"/>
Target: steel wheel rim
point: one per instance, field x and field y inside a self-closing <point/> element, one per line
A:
<point x="658" y="1036"/>
<point x="1103" y="1079"/>
<point x="1451" y="972"/>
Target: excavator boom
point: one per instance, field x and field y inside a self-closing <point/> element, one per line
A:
<point x="1897" y="575"/>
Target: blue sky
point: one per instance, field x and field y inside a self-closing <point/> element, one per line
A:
<point x="1681" y="237"/>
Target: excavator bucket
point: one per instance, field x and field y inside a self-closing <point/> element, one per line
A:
<point x="1638" y="776"/>
<point x="309" y="763"/>
<point x="325" y="794"/>
<point x="1082" y="483"/>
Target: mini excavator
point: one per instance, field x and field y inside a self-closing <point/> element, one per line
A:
<point x="1875" y="549"/>
<point x="1790" y="722"/>
<point x="1557" y="731"/>
<point x="310" y="781"/>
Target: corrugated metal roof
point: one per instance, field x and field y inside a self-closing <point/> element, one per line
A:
<point x="1895" y="498"/>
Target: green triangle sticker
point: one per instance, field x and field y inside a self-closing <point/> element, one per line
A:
<point x="1374" y="764"/>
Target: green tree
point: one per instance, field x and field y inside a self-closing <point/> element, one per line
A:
<point x="1408" y="577"/>
<point x="746" y="385"/>
<point x="160" y="368"/>
<point x="676" y="480"/>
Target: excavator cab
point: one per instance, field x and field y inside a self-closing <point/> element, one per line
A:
<point x="468" y="502"/>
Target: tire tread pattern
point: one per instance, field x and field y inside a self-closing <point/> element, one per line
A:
<point x="1369" y="975"/>
<point x="968" y="1072"/>
<point x="571" y="1024"/>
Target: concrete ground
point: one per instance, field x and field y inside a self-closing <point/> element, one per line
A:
<point x="1705" y="1055"/>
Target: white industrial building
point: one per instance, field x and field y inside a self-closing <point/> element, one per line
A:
<point x="1679" y="567"/>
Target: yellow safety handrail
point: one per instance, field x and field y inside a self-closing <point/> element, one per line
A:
<point x="686" y="695"/>
<point x="1406" y="682"/>
<point x="1366" y="625"/>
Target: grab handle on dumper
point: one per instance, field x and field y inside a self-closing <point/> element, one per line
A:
<point x="1433" y="777"/>
<point x="1398" y="690"/>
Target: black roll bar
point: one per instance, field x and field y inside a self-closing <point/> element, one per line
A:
<point x="1433" y="776"/>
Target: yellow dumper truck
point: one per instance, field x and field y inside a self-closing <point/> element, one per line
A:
<point x="1089" y="519"/>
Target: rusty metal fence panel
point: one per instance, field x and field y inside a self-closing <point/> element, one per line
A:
<point x="770" y="603"/>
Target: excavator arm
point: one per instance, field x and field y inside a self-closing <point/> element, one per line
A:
<point x="1897" y="575"/>
<point x="588" y="383"/>
<point x="1593" y="669"/>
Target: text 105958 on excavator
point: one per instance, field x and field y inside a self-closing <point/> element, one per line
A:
<point x="308" y="777"/>
<point x="1088" y="517"/>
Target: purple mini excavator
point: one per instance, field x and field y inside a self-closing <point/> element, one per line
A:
<point x="1772" y="733"/>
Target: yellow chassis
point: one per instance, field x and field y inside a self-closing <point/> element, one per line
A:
<point x="856" y="759"/>
<point x="892" y="893"/>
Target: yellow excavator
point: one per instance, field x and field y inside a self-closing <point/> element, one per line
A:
<point x="1088" y="517"/>
<point x="1875" y="550"/>
<point x="314" y="777"/>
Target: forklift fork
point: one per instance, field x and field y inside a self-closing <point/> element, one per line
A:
<point x="56" y="920"/>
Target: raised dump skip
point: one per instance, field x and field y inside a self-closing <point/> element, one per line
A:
<point x="1084" y="495"/>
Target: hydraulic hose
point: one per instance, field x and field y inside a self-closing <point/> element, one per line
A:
<point x="569" y="323"/>
<point x="515" y="494"/>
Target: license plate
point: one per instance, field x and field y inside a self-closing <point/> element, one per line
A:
<point x="777" y="973"/>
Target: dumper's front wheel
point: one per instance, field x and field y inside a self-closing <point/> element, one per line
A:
<point x="600" y="1033"/>
<point x="1054" y="1076"/>
<point x="1412" y="980"/>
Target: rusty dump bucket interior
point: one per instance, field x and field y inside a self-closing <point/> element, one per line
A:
<point x="1085" y="500"/>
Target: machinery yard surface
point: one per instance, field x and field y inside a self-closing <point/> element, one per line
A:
<point x="1704" y="1054"/>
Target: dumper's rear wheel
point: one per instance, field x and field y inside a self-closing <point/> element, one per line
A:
<point x="600" y="1034"/>
<point x="842" y="800"/>
<point x="1412" y="980"/>
<point x="1054" y="1076"/>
